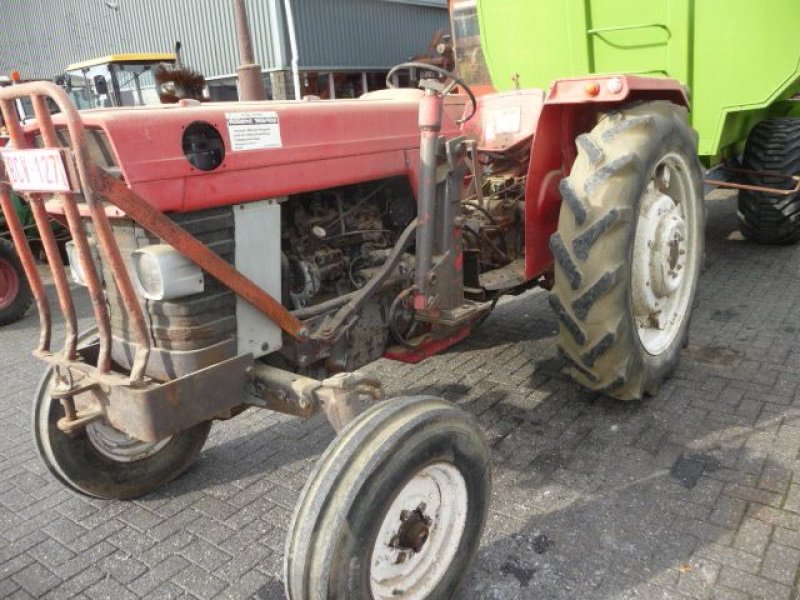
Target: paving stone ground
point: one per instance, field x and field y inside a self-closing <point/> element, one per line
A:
<point x="692" y="493"/>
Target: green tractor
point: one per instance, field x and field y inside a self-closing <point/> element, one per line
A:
<point x="739" y="59"/>
<point x="15" y="294"/>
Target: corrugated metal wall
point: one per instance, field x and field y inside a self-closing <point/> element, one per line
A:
<point x="363" y="33"/>
<point x="50" y="34"/>
<point x="41" y="37"/>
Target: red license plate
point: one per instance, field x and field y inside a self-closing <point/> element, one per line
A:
<point x="39" y="170"/>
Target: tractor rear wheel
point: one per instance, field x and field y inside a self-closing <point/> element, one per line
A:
<point x="15" y="294"/>
<point x="628" y="249"/>
<point x="773" y="145"/>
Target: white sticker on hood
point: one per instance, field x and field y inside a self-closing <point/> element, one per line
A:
<point x="254" y="130"/>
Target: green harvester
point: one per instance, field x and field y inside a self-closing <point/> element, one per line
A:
<point x="739" y="59"/>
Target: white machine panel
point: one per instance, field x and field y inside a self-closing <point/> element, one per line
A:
<point x="258" y="257"/>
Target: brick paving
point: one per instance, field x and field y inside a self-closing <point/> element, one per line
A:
<point x="689" y="494"/>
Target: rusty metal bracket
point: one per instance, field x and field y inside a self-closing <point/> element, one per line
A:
<point x="81" y="420"/>
<point x="339" y="397"/>
<point x="757" y="188"/>
<point x="109" y="378"/>
<point x="282" y="391"/>
<point x="58" y="394"/>
<point x="160" y="410"/>
<point x="150" y="411"/>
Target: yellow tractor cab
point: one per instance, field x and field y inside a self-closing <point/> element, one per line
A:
<point x="115" y="80"/>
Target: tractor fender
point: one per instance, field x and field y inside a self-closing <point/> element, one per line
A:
<point x="571" y="107"/>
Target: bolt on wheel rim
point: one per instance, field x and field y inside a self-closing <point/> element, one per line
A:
<point x="663" y="268"/>
<point x="118" y="446"/>
<point x="420" y="534"/>
<point x="9" y="284"/>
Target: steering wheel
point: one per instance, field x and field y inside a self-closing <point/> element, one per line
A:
<point x="451" y="81"/>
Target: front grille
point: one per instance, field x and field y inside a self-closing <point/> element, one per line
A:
<point x="98" y="147"/>
<point x="185" y="324"/>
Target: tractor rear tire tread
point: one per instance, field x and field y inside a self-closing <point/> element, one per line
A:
<point x="591" y="295"/>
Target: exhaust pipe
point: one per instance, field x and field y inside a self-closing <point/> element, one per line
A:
<point x="251" y="84"/>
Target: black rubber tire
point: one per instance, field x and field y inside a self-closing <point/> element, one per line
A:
<point x="772" y="145"/>
<point x="21" y="303"/>
<point x="344" y="502"/>
<point x="593" y="247"/>
<point x="75" y="461"/>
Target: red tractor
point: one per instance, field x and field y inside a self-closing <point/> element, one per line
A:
<point x="257" y="254"/>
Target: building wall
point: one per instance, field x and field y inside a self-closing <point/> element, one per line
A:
<point x="47" y="35"/>
<point x="363" y="33"/>
<point x="50" y="34"/>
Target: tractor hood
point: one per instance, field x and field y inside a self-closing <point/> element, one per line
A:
<point x="191" y="156"/>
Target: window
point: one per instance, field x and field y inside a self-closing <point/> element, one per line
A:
<point x="467" y="39"/>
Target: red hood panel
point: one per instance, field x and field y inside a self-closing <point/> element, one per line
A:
<point x="323" y="144"/>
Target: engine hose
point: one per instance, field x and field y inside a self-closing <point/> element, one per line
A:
<point x="399" y="337"/>
<point x="351" y="273"/>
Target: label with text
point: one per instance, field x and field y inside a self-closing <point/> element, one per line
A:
<point x="254" y="130"/>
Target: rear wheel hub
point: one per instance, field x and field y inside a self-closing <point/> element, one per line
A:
<point x="660" y="285"/>
<point x="669" y="257"/>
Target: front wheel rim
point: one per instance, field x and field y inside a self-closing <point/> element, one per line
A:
<point x="664" y="264"/>
<point x="9" y="284"/>
<point x="420" y="534"/>
<point x="120" y="447"/>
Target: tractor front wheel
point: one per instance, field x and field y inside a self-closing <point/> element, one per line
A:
<point x="104" y="462"/>
<point x="394" y="508"/>
<point x="15" y="294"/>
<point x="628" y="249"/>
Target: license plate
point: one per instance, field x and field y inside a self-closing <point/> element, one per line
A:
<point x="39" y="170"/>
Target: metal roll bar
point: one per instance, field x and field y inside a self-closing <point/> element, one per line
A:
<point x="97" y="186"/>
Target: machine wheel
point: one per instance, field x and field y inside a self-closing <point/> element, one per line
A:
<point x="104" y="462"/>
<point x="628" y="249"/>
<point x="15" y="294"/>
<point x="773" y="145"/>
<point x="394" y="508"/>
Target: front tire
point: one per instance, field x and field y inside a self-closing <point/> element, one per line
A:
<point x="628" y="249"/>
<point x="15" y="293"/>
<point x="394" y="508"/>
<point x="103" y="462"/>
